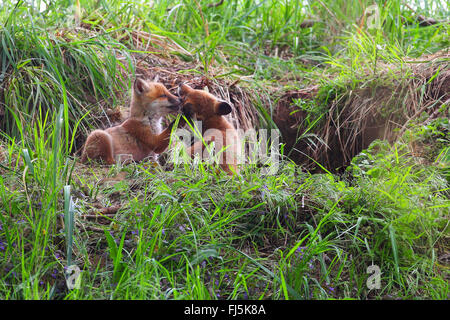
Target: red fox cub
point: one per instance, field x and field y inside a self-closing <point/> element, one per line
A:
<point x="202" y="106"/>
<point x="136" y="136"/>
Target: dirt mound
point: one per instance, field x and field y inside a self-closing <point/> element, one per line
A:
<point x="382" y="109"/>
<point x="353" y="118"/>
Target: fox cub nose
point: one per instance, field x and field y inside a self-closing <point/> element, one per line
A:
<point x="176" y="103"/>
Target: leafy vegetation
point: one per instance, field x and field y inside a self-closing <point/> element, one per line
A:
<point x="188" y="231"/>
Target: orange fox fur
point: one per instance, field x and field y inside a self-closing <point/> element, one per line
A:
<point x="203" y="106"/>
<point x="136" y="136"/>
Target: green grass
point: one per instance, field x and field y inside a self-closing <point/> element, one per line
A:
<point x="183" y="236"/>
<point x="190" y="232"/>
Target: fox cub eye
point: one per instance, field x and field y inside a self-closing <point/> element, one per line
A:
<point x="163" y="96"/>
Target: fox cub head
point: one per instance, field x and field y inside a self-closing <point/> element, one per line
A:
<point x="201" y="105"/>
<point x="152" y="99"/>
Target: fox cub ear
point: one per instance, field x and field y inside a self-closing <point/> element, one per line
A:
<point x="223" y="108"/>
<point x="140" y="86"/>
<point x="183" y="89"/>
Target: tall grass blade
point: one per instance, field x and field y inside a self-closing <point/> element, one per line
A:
<point x="69" y="216"/>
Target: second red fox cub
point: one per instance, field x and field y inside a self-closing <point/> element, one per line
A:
<point x="202" y="106"/>
<point x="135" y="136"/>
